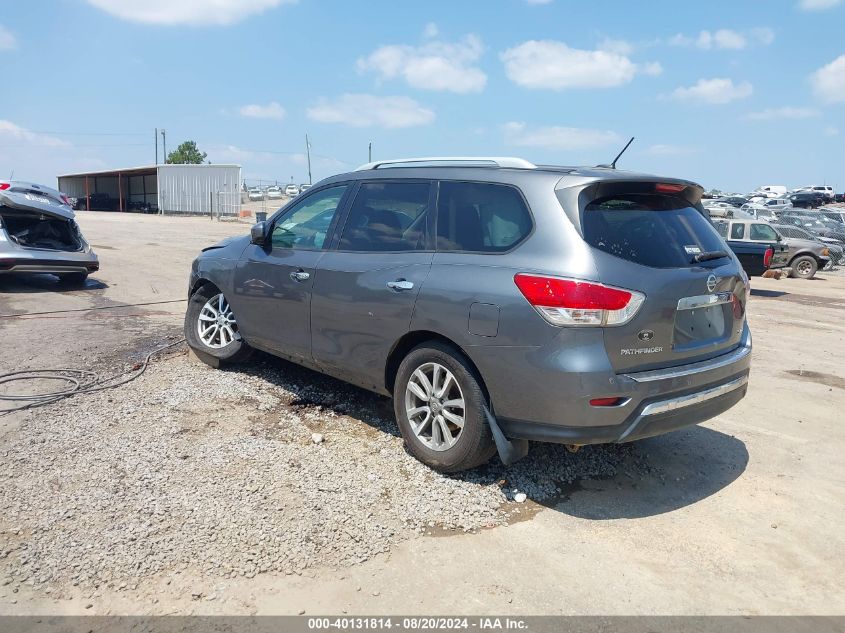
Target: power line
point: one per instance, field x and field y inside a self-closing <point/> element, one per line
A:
<point x="90" y="133"/>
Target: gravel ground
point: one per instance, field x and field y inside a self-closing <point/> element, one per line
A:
<point x="267" y="468"/>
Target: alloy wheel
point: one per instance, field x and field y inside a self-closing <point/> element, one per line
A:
<point x="435" y="406"/>
<point x="216" y="325"/>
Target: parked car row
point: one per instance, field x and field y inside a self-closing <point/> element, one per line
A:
<point x="778" y="196"/>
<point x="276" y="192"/>
<point x="815" y="237"/>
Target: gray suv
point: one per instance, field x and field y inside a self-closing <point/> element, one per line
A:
<point x="495" y="300"/>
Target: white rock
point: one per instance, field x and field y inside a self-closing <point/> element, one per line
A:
<point x="317" y="438"/>
<point x="520" y="497"/>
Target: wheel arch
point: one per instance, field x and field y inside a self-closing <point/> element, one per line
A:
<point x="199" y="283"/>
<point x="412" y="339"/>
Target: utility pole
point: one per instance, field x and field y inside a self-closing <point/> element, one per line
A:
<point x="308" y="154"/>
<point x="164" y="144"/>
<point x="156" y="138"/>
<point x="371" y="153"/>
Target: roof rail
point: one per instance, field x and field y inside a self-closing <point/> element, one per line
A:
<point x="457" y="161"/>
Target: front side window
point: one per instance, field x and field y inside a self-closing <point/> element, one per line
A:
<point x="480" y="217"/>
<point x="387" y="216"/>
<point x="737" y="231"/>
<point x="306" y="225"/>
<point x="763" y="232"/>
<point x="722" y="227"/>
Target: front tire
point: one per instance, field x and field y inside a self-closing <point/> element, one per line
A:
<point x="439" y="406"/>
<point x="212" y="330"/>
<point x="804" y="267"/>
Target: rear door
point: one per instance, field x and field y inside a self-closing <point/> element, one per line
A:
<point x="365" y="290"/>
<point x="662" y="246"/>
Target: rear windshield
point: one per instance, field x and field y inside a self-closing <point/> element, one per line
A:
<point x="652" y="230"/>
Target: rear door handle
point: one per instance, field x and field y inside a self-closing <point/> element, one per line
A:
<point x="299" y="275"/>
<point x="400" y="284"/>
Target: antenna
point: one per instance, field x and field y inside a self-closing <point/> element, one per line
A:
<point x="613" y="164"/>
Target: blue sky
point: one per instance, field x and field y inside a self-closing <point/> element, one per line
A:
<point x="731" y="94"/>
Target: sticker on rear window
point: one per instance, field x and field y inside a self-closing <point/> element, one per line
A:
<point x="692" y="250"/>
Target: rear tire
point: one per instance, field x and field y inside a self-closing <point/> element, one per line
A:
<point x="73" y="279"/>
<point x="224" y="345"/>
<point x="804" y="267"/>
<point x="432" y="435"/>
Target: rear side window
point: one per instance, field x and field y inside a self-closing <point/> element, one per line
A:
<point x="737" y="231"/>
<point x="480" y="217"/>
<point x="387" y="216"/>
<point x="652" y="230"/>
<point x="763" y="232"/>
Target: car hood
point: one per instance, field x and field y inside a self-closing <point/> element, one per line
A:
<point x="235" y="239"/>
<point x="797" y="242"/>
<point x="36" y="204"/>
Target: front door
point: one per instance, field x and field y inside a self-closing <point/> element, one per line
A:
<point x="273" y="283"/>
<point x="365" y="291"/>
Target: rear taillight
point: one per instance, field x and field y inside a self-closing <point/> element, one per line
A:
<point x="65" y="200"/>
<point x="767" y="257"/>
<point x="4" y="186"/>
<point x="575" y="302"/>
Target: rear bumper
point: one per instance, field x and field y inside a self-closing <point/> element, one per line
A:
<point x="55" y="266"/>
<point x="651" y="402"/>
<point x="651" y="418"/>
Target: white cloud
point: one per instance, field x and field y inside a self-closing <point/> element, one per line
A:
<point x="431" y="31"/>
<point x="786" y="112"/>
<point x="435" y="65"/>
<point x="194" y="12"/>
<point x="362" y="110"/>
<point x="763" y="35"/>
<point x="651" y="68"/>
<point x="620" y="47"/>
<point x="828" y="81"/>
<point x="538" y="2"/>
<point x="724" y="39"/>
<point x="270" y="111"/>
<point x="552" y="65"/>
<point x="557" y="138"/>
<point x="8" y="41"/>
<point x="715" y="91"/>
<point x="12" y="132"/>
<point x="818" y="5"/>
<point x="831" y="131"/>
<point x="670" y="150"/>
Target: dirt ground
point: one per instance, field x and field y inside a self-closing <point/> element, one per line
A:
<point x="741" y="515"/>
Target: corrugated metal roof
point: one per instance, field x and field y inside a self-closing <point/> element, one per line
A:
<point x="144" y="169"/>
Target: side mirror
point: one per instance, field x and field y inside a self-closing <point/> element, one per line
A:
<point x="258" y="234"/>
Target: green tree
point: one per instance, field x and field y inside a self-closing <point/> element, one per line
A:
<point x="186" y="154"/>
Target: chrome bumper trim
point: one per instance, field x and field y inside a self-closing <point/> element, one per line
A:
<point x="694" y="398"/>
<point x="693" y="368"/>
<point x="704" y="301"/>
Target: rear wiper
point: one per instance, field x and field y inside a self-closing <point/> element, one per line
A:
<point x="706" y="256"/>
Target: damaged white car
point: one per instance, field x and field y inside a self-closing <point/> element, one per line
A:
<point x="38" y="234"/>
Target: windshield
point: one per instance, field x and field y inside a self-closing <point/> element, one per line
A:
<point x="652" y="230"/>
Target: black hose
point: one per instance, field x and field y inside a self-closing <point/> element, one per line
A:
<point x="80" y="380"/>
